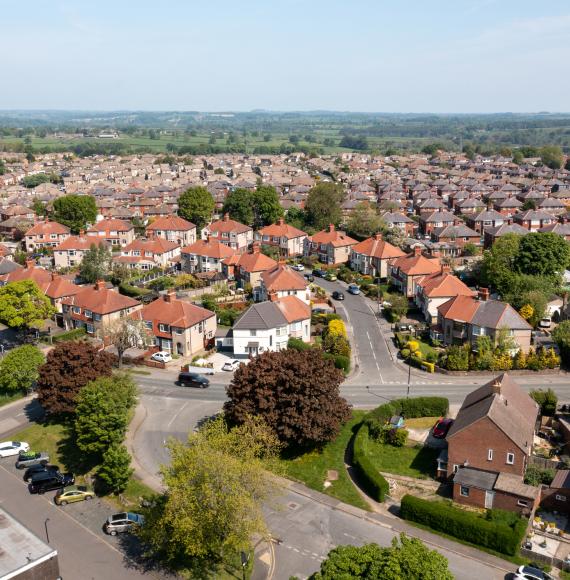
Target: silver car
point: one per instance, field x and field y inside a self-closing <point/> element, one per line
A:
<point x="123" y="522"/>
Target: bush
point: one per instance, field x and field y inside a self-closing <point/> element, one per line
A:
<point x="492" y="532"/>
<point x="298" y="344"/>
<point x="457" y="358"/>
<point x="372" y="481"/>
<point x="548" y="400"/>
<point x="398" y="437"/>
<point x="132" y="291"/>
<point x="342" y="362"/>
<point x="74" y="334"/>
<point x="535" y="476"/>
<point x="405" y="352"/>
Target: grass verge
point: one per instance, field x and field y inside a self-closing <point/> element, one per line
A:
<point x="311" y="468"/>
<point x="6" y="398"/>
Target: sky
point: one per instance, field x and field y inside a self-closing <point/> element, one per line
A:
<point x="441" y="56"/>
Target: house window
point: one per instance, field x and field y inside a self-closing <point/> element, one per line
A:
<point x="253" y="333"/>
<point x="148" y="324"/>
<point x="490" y="455"/>
<point x="90" y="329"/>
<point x="76" y="310"/>
<point x="178" y="330"/>
<point x="464" y="491"/>
<point x="455" y="468"/>
<point x="97" y="317"/>
<point x="163" y="327"/>
<point x="522" y="503"/>
<point x="510" y="458"/>
<point x="88" y="314"/>
<point x="560" y="497"/>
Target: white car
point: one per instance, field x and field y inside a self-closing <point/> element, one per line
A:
<point x="298" y="267"/>
<point x="530" y="573"/>
<point x="231" y="365"/>
<point x="9" y="448"/>
<point x="162" y="356"/>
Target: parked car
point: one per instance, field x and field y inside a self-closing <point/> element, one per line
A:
<point x="231" y="365"/>
<point x="162" y="356"/>
<point x="9" y="448"/>
<point x="545" y="322"/>
<point x="353" y="289"/>
<point x="298" y="267"/>
<point x="331" y="277"/>
<point x="441" y="428"/>
<point x="531" y="573"/>
<point x="123" y="522"/>
<point x="309" y="277"/>
<point x="49" y="480"/>
<point x="39" y="469"/>
<point x="29" y="458"/>
<point x="193" y="380"/>
<point x="403" y="327"/>
<point x="319" y="273"/>
<point x="72" y="494"/>
<point x="338" y="295"/>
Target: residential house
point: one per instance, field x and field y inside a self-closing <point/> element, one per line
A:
<point x="114" y="231"/>
<point x="45" y="234"/>
<point x="230" y="233"/>
<point x="534" y="219"/>
<point x="458" y="235"/>
<point x="178" y="326"/>
<point x="401" y="221"/>
<point x="493" y="234"/>
<point x="484" y="220"/>
<point x="282" y="281"/>
<point x="149" y="254"/>
<point x="556" y="496"/>
<point x="508" y="206"/>
<point x="95" y="307"/>
<point x="372" y="256"/>
<point x="288" y="239"/>
<point x="204" y="256"/>
<point x="268" y="326"/>
<point x="437" y="219"/>
<point x="331" y="246"/>
<point x="562" y="229"/>
<point x="405" y="271"/>
<point x="489" y="445"/>
<point x="172" y="229"/>
<point x="71" y="251"/>
<point x="249" y="267"/>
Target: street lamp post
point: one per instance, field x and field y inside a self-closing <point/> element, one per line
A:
<point x="46" y="527"/>
<point x="244" y="561"/>
<point x="409" y="374"/>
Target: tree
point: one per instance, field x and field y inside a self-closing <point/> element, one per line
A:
<point x="297" y="393"/>
<point x="543" y="254"/>
<point x="215" y="486"/>
<point x="499" y="263"/>
<point x="547" y="400"/>
<point x="126" y="333"/>
<point x="266" y="206"/>
<point x="23" y="305"/>
<point x="552" y="156"/>
<point x="364" y="221"/>
<point x="239" y="205"/>
<point x="39" y="207"/>
<point x="19" y="368"/>
<point x="408" y="559"/>
<point x="101" y="413"/>
<point x="323" y="206"/>
<point x="115" y="470"/>
<point x="561" y="335"/>
<point x="398" y="306"/>
<point x="97" y="263"/>
<point x="75" y="211"/>
<point x="68" y="368"/>
<point x="196" y="205"/>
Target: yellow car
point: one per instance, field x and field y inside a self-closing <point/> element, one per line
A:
<point x="73" y="493"/>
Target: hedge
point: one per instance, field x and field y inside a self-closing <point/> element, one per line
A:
<point x="492" y="532"/>
<point x="342" y="362"/>
<point x="70" y="335"/>
<point x="370" y="478"/>
<point x="132" y="291"/>
<point x="298" y="344"/>
<point x="411" y="408"/>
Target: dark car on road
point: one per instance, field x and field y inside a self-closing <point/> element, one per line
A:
<point x="39" y="469"/>
<point x="441" y="428"/>
<point x="193" y="380"/>
<point x="319" y="273"/>
<point x="338" y="295"/>
<point x="48" y="481"/>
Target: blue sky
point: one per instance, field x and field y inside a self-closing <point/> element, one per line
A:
<point x="358" y="55"/>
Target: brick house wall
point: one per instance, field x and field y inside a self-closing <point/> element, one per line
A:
<point x="476" y="496"/>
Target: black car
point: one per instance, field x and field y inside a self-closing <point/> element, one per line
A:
<point x="39" y="469"/>
<point x="48" y="481"/>
<point x="193" y="380"/>
<point x="319" y="273"/>
<point x="338" y="295"/>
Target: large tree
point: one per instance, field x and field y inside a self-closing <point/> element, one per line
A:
<point x="126" y="333"/>
<point x="266" y="206"/>
<point x="561" y="335"/>
<point x="297" y="393"/>
<point x="364" y="221"/>
<point x="19" y="368"/>
<point x="115" y="469"/>
<point x="552" y="156"/>
<point x="23" y="305"/>
<point x="239" y="205"/>
<point x="215" y="486"/>
<point x="68" y="368"/>
<point x="543" y="254"/>
<point x="75" y="211"/>
<point x="196" y="205"/>
<point x="323" y="206"/>
<point x="96" y="264"/>
<point x="408" y="559"/>
<point x="499" y="263"/>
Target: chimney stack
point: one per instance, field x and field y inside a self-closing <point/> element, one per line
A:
<point x="445" y="268"/>
<point x="272" y="296"/>
<point x="496" y="386"/>
<point x="168" y="297"/>
<point x="378" y="236"/>
<point x="281" y="221"/>
<point x="484" y="294"/>
<point x="226" y="217"/>
<point x="331" y="227"/>
<point x="81" y="233"/>
<point x="100" y="285"/>
<point x="255" y="248"/>
<point x="417" y="251"/>
<point x="30" y="264"/>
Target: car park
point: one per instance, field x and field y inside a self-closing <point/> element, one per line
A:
<point x="338" y="295"/>
<point x="49" y="481"/>
<point x="39" y="469"/>
<point x="193" y="380"/>
<point x="531" y="573"/>
<point x="31" y="458"/>
<point x="162" y="356"/>
<point x="353" y="289"/>
<point x="9" y="448"/>
<point x="122" y="522"/>
<point x="442" y="427"/>
<point x="73" y="494"/>
<point x="231" y="365"/>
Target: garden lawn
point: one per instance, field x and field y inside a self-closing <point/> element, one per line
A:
<point x="43" y="437"/>
<point x="421" y="423"/>
<point x="311" y="468"/>
<point x="411" y="460"/>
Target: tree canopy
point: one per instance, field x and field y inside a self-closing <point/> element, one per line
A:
<point x="23" y="304"/>
<point x="75" y="211"/>
<point x="254" y="208"/>
<point x="96" y="264"/>
<point x="196" y="205"/>
<point x="19" y="368"/>
<point x="552" y="156"/>
<point x="365" y="221"/>
<point x="323" y="206"/>
<point x="238" y="204"/>
<point x="297" y="394"/>
<point x="543" y="254"/>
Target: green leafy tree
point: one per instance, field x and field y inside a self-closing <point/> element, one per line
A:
<point x="23" y="305"/>
<point x="547" y="399"/>
<point x="561" y="335"/>
<point x="323" y="206"/>
<point x="408" y="559"/>
<point x="266" y="206"/>
<point x="552" y="156"/>
<point x="115" y="470"/>
<point x="239" y="205"/>
<point x="96" y="264"/>
<point x="499" y="263"/>
<point x="215" y="485"/>
<point x="197" y="206"/>
<point x="543" y="254"/>
<point x="364" y="221"/>
<point x="297" y="393"/>
<point x="39" y="208"/>
<point x="19" y="368"/>
<point x="398" y="306"/>
<point x="75" y="211"/>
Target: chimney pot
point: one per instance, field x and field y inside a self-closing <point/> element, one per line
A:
<point x="417" y="251"/>
<point x="496" y="386"/>
<point x="226" y="217"/>
<point x="169" y="296"/>
<point x="30" y="264"/>
<point x="331" y="227"/>
<point x="100" y="285"/>
<point x="378" y="236"/>
<point x="484" y="294"/>
<point x="281" y="221"/>
<point x="255" y="248"/>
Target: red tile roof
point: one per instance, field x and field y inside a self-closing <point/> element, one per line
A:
<point x="442" y="284"/>
<point x="170" y="223"/>
<point x="416" y="265"/>
<point x="156" y="246"/>
<point x="111" y="224"/>
<point x="333" y="237"/>
<point x="209" y="248"/>
<point x="47" y="227"/>
<point x="100" y="299"/>
<point x="293" y="308"/>
<point x="281" y="278"/>
<point x="282" y="230"/>
<point x="80" y="243"/>
<point x="227" y="225"/>
<point x="376" y="247"/>
<point x="52" y="285"/>
<point x="169" y="310"/>
<point x="255" y="262"/>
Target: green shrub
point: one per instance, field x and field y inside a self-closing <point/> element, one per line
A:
<point x="372" y="481"/>
<point x="490" y="532"/>
<point x="548" y="400"/>
<point x="535" y="476"/>
<point x="132" y="291"/>
<point x="398" y="437"/>
<point x="298" y="344"/>
<point x="457" y="358"/>
<point x="70" y="335"/>
<point x="342" y="362"/>
<point x="405" y="352"/>
<point x="424" y="407"/>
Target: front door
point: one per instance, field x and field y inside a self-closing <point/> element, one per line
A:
<point x="489" y="496"/>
